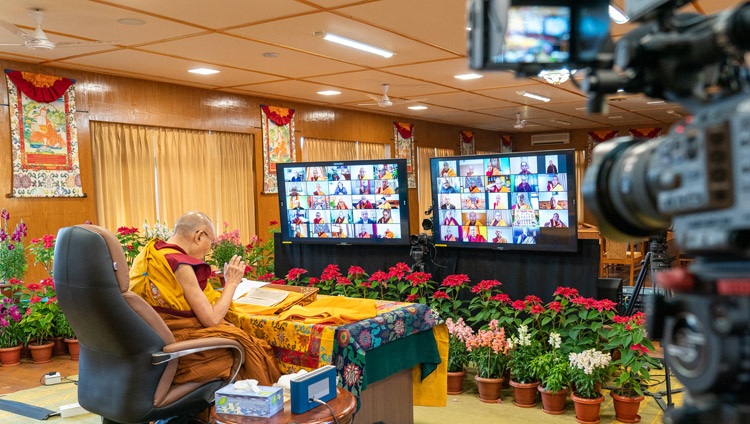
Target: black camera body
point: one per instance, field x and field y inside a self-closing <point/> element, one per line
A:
<point x="696" y="179"/>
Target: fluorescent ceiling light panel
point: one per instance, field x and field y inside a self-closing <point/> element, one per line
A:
<point x="557" y="121"/>
<point x="617" y="15"/>
<point x="417" y="107"/>
<point x="203" y="71"/>
<point x="655" y="102"/>
<point x="468" y="76"/>
<point x="329" y="93"/>
<point x="533" y="96"/>
<point x="357" y="45"/>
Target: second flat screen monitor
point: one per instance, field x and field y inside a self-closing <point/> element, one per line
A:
<point x="515" y="201"/>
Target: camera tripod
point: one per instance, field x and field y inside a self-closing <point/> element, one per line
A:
<point x="654" y="261"/>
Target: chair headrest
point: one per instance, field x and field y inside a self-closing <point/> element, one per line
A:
<point x="119" y="263"/>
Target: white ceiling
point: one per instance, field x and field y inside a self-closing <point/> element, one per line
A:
<point x="232" y="36"/>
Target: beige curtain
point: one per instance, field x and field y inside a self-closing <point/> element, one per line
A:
<point x="371" y="151"/>
<point x="424" y="182"/>
<point x="187" y="170"/>
<point x="316" y="149"/>
<point x="123" y="167"/>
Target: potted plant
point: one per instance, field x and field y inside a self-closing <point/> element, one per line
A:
<point x="38" y="322"/>
<point x="13" y="262"/>
<point x="226" y="245"/>
<point x="43" y="250"/>
<point x="131" y="241"/>
<point x="632" y="368"/>
<point x="488" y="349"/>
<point x="458" y="355"/>
<point x="11" y="333"/>
<point x="553" y="369"/>
<point x="63" y="329"/>
<point x="524" y="348"/>
<point x="445" y="300"/>
<point x="588" y="370"/>
<point x="259" y="253"/>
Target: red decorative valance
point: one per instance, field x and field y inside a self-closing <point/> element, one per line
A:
<point x="404" y="129"/>
<point x="278" y="115"/>
<point x="645" y="132"/>
<point x="505" y="140"/>
<point x="467" y="136"/>
<point x="603" y="135"/>
<point x="40" y="88"/>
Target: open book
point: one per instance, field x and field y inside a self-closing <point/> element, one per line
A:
<point x="252" y="293"/>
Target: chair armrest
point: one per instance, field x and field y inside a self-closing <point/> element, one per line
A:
<point x="186" y="347"/>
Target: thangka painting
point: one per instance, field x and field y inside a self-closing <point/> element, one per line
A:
<point x="277" y="125"/>
<point x="43" y="135"/>
<point x="467" y="143"/>
<point x="596" y="137"/>
<point x="506" y="144"/>
<point x="645" y="132"/>
<point x="403" y="133"/>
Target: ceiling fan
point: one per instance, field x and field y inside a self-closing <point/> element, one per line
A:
<point x="520" y="123"/>
<point x="385" y="101"/>
<point x="37" y="39"/>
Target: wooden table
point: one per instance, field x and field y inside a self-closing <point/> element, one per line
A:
<point x="343" y="407"/>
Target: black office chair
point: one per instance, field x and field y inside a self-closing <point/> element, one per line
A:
<point x="128" y="355"/>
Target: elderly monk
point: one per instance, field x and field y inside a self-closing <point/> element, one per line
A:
<point x="173" y="278"/>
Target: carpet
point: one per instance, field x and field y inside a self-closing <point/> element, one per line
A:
<point x="468" y="409"/>
<point x="50" y="397"/>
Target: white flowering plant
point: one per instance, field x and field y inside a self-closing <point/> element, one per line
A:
<point x="523" y="349"/>
<point x="587" y="369"/>
<point x="552" y="367"/>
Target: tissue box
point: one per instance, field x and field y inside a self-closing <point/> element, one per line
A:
<point x="266" y="403"/>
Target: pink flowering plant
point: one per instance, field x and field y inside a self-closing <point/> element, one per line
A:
<point x="226" y="245"/>
<point x="43" y="250"/>
<point x="587" y="370"/>
<point x="259" y="253"/>
<point x="488" y="350"/>
<point x="11" y="333"/>
<point x="13" y="261"/>
<point x="445" y="299"/>
<point x="633" y="368"/>
<point x="458" y="354"/>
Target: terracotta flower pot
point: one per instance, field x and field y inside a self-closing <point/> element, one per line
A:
<point x="553" y="402"/>
<point x="42" y="354"/>
<point x="524" y="394"/>
<point x="626" y="408"/>
<point x="74" y="348"/>
<point x="489" y="389"/>
<point x="587" y="410"/>
<point x="10" y="356"/>
<point x="456" y="382"/>
<point x="60" y="348"/>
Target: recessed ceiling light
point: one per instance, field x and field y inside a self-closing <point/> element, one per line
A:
<point x="420" y="107"/>
<point x="615" y="117"/>
<point x="582" y="108"/>
<point x="357" y="45"/>
<point x="617" y="15"/>
<point x="329" y="93"/>
<point x="470" y="76"/>
<point x="270" y="55"/>
<point x="203" y="71"/>
<point x="655" y="102"/>
<point x="131" y="21"/>
<point x="533" y="96"/>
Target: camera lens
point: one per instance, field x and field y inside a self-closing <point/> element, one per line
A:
<point x="620" y="188"/>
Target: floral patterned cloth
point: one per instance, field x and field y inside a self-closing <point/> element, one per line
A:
<point x="310" y="346"/>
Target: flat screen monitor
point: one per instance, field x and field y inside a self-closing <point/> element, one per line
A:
<point x="513" y="201"/>
<point x="344" y="202"/>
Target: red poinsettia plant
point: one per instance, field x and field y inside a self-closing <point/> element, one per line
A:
<point x="628" y="337"/>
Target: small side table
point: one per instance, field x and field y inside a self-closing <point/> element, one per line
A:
<point x="343" y="406"/>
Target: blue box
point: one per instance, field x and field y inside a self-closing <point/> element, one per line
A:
<point x="265" y="403"/>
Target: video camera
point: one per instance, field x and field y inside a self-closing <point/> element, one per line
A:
<point x="695" y="179"/>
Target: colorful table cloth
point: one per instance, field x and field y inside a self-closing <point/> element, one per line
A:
<point x="401" y="336"/>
